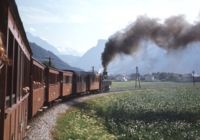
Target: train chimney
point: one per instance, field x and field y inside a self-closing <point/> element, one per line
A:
<point x="93" y="69"/>
<point x="105" y="73"/>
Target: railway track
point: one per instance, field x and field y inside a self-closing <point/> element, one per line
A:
<point x="42" y="124"/>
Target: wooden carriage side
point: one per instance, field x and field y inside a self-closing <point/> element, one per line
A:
<point x="79" y="82"/>
<point x="93" y="82"/>
<point x="16" y="76"/>
<point x="66" y="83"/>
<point x="53" y="83"/>
<point x="3" y="34"/>
<point x="37" y="96"/>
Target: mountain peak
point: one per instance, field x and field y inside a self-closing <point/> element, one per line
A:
<point x="101" y="43"/>
<point x="47" y="46"/>
<point x="41" y="42"/>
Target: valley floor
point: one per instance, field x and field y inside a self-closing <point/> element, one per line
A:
<point x="156" y="111"/>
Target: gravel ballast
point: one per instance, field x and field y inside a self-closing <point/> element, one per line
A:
<point x="42" y="124"/>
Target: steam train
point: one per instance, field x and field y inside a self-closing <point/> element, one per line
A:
<point x="26" y="85"/>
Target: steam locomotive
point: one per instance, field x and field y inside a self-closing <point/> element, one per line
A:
<point x="26" y="85"/>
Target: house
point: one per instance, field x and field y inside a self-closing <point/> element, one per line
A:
<point x="121" y="78"/>
<point x="148" y="77"/>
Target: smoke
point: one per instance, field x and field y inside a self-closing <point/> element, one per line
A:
<point x="151" y="58"/>
<point x="173" y="34"/>
<point x="100" y="70"/>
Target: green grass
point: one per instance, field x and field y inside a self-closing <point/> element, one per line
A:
<point x="156" y="111"/>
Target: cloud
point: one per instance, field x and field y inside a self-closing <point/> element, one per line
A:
<point x="67" y="50"/>
<point x="95" y="19"/>
<point x="79" y="19"/>
<point x="44" y="38"/>
<point x="31" y="29"/>
<point x="39" y="16"/>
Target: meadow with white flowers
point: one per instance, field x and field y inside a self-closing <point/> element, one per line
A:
<point x="156" y="111"/>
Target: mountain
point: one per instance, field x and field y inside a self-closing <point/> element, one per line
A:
<point x="151" y="58"/>
<point x="44" y="44"/>
<point x="69" y="59"/>
<point x="42" y="55"/>
<point x="47" y="46"/>
<point x="92" y="57"/>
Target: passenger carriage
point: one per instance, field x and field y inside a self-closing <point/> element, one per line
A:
<point x="53" y="84"/>
<point x="26" y="85"/>
<point x="93" y="81"/>
<point x="37" y="96"/>
<point x="66" y="83"/>
<point x="14" y="77"/>
<point x="79" y="82"/>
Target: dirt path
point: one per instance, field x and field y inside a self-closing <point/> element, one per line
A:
<point x="42" y="125"/>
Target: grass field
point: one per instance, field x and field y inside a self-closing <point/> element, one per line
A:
<point x="156" y="111"/>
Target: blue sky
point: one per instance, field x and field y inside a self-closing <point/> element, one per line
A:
<point x="78" y="24"/>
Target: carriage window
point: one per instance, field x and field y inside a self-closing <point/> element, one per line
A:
<point x="64" y="79"/>
<point x="26" y="73"/>
<point x="21" y="73"/>
<point x="53" y="78"/>
<point x="38" y="76"/>
<point x="93" y="78"/>
<point x="70" y="79"/>
<point x="15" y="70"/>
<point x="79" y="79"/>
<point x="83" y="79"/>
<point x="67" y="79"/>
<point x="10" y="43"/>
<point x="18" y="71"/>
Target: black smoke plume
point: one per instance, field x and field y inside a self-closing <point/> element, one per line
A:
<point x="174" y="33"/>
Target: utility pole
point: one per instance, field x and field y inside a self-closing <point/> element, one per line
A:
<point x="193" y="77"/>
<point x="137" y="78"/>
<point x="49" y="61"/>
<point x="93" y="69"/>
